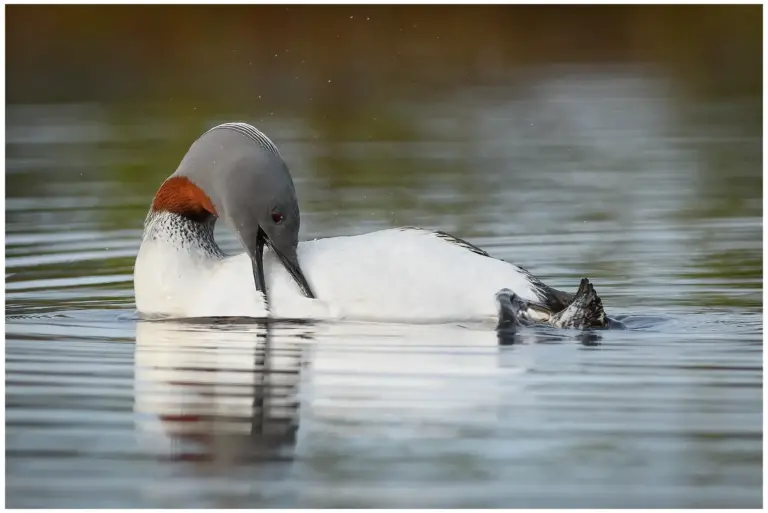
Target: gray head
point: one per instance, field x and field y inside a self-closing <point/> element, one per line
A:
<point x="234" y="172"/>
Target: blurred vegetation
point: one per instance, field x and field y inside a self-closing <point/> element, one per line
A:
<point x="341" y="57"/>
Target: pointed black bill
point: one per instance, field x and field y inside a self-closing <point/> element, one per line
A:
<point x="291" y="262"/>
<point x="287" y="257"/>
<point x="257" y="262"/>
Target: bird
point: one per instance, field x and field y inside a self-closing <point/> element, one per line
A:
<point x="234" y="173"/>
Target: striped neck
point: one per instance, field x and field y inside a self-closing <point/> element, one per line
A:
<point x="182" y="233"/>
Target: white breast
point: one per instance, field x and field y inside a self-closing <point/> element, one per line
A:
<point x="393" y="275"/>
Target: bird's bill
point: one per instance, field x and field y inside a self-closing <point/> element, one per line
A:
<point x="287" y="257"/>
<point x="257" y="262"/>
<point x="291" y="262"/>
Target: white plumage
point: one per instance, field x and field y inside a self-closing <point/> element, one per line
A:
<point x="395" y="275"/>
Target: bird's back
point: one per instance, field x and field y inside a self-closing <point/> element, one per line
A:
<point x="406" y="274"/>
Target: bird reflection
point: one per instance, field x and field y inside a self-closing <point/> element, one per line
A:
<point x="541" y="335"/>
<point x="213" y="391"/>
<point x="226" y="392"/>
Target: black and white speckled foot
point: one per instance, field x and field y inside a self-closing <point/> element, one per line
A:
<point x="585" y="311"/>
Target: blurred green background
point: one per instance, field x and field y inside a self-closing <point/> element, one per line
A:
<point x="228" y="56"/>
<point x="345" y="70"/>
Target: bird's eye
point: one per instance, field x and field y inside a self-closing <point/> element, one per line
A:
<point x="277" y="217"/>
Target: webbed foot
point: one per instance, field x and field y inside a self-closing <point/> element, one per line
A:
<point x="585" y="311"/>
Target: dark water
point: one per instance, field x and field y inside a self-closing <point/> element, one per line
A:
<point x="612" y="171"/>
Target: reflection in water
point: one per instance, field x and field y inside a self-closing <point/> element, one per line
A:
<point x="230" y="393"/>
<point x="540" y="335"/>
<point x="225" y="395"/>
<point x="355" y="414"/>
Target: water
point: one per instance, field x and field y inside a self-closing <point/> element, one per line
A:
<point x="611" y="172"/>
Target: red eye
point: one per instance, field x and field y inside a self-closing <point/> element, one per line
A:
<point x="277" y="217"/>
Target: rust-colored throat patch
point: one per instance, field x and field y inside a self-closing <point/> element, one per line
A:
<point x="179" y="195"/>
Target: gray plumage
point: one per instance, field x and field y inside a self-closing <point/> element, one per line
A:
<point x="243" y="174"/>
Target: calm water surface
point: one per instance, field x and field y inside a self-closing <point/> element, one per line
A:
<point x="605" y="175"/>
